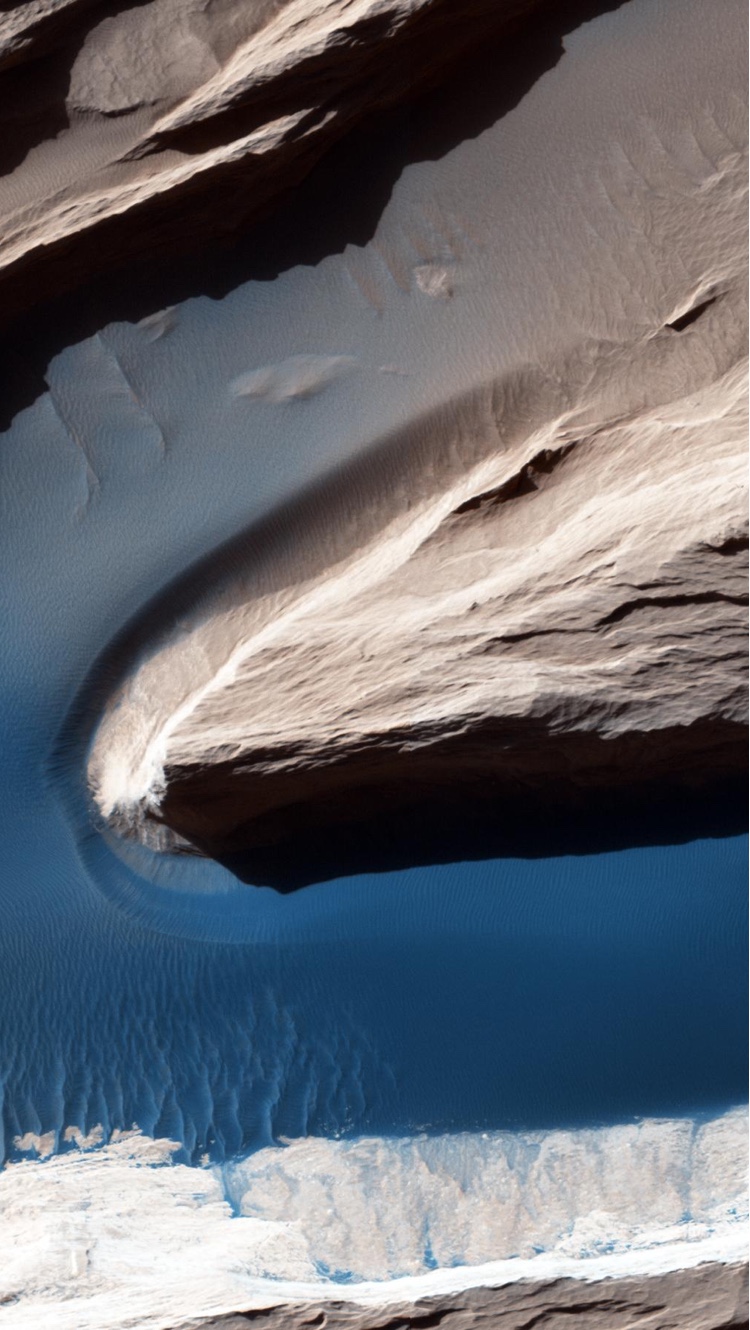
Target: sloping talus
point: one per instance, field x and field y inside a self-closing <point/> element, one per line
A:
<point x="517" y="585"/>
<point x="563" y="614"/>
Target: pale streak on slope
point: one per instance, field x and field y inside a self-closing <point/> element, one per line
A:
<point x="574" y="316"/>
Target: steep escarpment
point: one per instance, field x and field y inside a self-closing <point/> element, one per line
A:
<point x="132" y="134"/>
<point x="634" y="1224"/>
<point x="571" y="636"/>
<point x="421" y="538"/>
<point x="515" y="587"/>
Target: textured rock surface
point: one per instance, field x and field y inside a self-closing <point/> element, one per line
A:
<point x="130" y="132"/>
<point x="528" y="580"/>
<point x="711" y="1297"/>
<point x="525" y="593"/>
<point x="577" y="620"/>
<point x="565" y="615"/>
<point x="643" y="1222"/>
<point x="536" y="586"/>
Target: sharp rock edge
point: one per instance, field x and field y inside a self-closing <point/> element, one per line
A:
<point x="565" y="613"/>
<point x="116" y="123"/>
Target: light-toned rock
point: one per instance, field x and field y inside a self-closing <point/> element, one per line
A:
<point x="526" y="588"/>
<point x="563" y="614"/>
<point x="646" y="1219"/>
<point x="150" y="129"/>
<point x="517" y="581"/>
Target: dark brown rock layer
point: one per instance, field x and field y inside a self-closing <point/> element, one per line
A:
<point x="710" y="1297"/>
<point x="486" y="790"/>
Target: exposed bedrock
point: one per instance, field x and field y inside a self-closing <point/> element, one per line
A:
<point x="709" y="1297"/>
<point x="516" y="587"/>
<point x="134" y="133"/>
<point x="462" y="631"/>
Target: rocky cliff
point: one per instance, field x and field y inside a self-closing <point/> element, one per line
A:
<point x="523" y="598"/>
<point x="482" y="588"/>
<point x="711" y="1297"/>
<point x="134" y="132"/>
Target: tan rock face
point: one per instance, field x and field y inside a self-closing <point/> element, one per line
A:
<point x="566" y="615"/>
<point x="516" y="593"/>
<point x="537" y="635"/>
<point x="121" y="121"/>
<point x="711" y="1297"/>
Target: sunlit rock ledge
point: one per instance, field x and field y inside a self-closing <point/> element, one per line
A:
<point x="561" y="618"/>
<point x="150" y="129"/>
<point x="591" y="1221"/>
<point x="708" y="1297"/>
<point x="508" y="575"/>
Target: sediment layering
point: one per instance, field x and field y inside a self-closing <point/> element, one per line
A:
<point x="567" y="613"/>
<point x="130" y="132"/>
<point x="462" y="504"/>
<point x="711" y="1297"/>
<point x="646" y="1220"/>
<point x="529" y="588"/>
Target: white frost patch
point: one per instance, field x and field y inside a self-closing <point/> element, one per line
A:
<point x="297" y="377"/>
<point x="397" y="1207"/>
<point x="434" y="280"/>
<point x="116" y="1236"/>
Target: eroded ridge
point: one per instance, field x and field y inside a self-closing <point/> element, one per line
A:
<point x="478" y="613"/>
<point x="117" y="122"/>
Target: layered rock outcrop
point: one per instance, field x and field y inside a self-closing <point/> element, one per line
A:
<point x="525" y="589"/>
<point x="711" y="1297"/>
<point x="635" y="1224"/>
<point x="132" y="133"/>
<point x="490" y="571"/>
<point x="494" y="626"/>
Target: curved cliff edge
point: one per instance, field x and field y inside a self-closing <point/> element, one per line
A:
<point x="506" y="587"/>
<point x="463" y="634"/>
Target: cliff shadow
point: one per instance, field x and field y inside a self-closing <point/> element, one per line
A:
<point x="466" y="828"/>
<point x="339" y="202"/>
